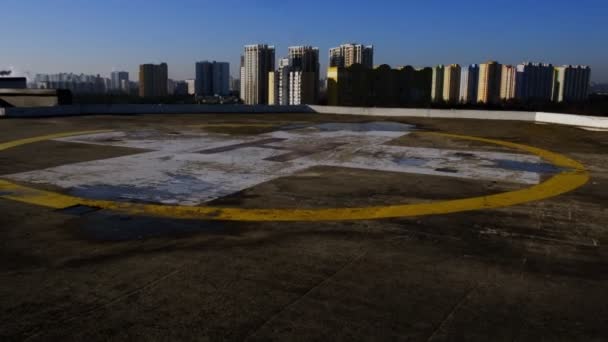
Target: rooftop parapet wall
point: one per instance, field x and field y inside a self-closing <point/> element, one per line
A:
<point x="599" y="123"/>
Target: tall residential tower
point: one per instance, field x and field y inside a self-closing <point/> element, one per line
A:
<point x="212" y="79"/>
<point x="451" y="83"/>
<point x="437" y="83"/>
<point x="534" y="82"/>
<point x="153" y="80"/>
<point x="469" y="80"/>
<point x="258" y="63"/>
<point x="346" y="55"/>
<point x="571" y="83"/>
<point x="488" y="90"/>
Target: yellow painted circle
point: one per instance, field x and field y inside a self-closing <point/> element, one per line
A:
<point x="566" y="181"/>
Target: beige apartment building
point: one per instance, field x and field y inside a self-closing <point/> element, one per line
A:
<point x="489" y="82"/>
<point x="451" y="83"/>
<point x="508" y="82"/>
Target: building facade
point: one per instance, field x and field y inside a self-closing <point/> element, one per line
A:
<point x="437" y="83"/>
<point x="380" y="86"/>
<point x="191" y="87"/>
<point x="507" y="82"/>
<point x="346" y="55"/>
<point x="488" y="90"/>
<point x="280" y="79"/>
<point x="571" y="83"/>
<point x="153" y="80"/>
<point x="258" y="63"/>
<point x="469" y="80"/>
<point x="534" y="82"/>
<point x="118" y="79"/>
<point x="304" y="73"/>
<point x="212" y="79"/>
<point x="451" y="83"/>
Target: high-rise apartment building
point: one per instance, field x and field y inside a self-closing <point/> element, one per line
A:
<point x="469" y="80"/>
<point x="212" y="78"/>
<point x="571" y="83"/>
<point x="451" y="83"/>
<point x="153" y="80"/>
<point x="346" y="55"/>
<point x="488" y="90"/>
<point x="242" y="79"/>
<point x="507" y="82"/>
<point x="279" y="84"/>
<point x="437" y="83"/>
<point x="118" y="79"/>
<point x="191" y="86"/>
<point x="303" y="74"/>
<point x="258" y="63"/>
<point x="534" y="82"/>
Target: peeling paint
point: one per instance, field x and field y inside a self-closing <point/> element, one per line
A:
<point x="194" y="167"/>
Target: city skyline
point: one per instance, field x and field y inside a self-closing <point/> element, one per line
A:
<point x="54" y="38"/>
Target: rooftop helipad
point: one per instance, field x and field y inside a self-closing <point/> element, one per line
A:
<point x="301" y="225"/>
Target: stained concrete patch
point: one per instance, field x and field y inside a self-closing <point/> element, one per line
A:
<point x="543" y="168"/>
<point x="104" y="226"/>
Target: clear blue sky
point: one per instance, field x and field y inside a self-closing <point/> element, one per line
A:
<point x="96" y="36"/>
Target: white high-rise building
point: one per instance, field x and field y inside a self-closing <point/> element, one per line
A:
<point x="258" y="63"/>
<point x="304" y="70"/>
<point x="191" y="86"/>
<point x="346" y="55"/>
<point x="117" y="78"/>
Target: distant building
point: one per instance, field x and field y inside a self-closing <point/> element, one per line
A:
<point x="279" y="85"/>
<point x="76" y="83"/>
<point x="303" y="75"/>
<point x="534" y="82"/>
<point x="488" y="90"/>
<point x="170" y="87"/>
<point x="437" y="85"/>
<point x="13" y="83"/>
<point x="191" y="86"/>
<point x="212" y="78"/>
<point x="258" y="62"/>
<point x="242" y="79"/>
<point x="153" y="80"/>
<point x="507" y="82"/>
<point x="181" y="88"/>
<point x="118" y="80"/>
<point x="469" y="80"/>
<point x="451" y="83"/>
<point x="346" y="55"/>
<point x="571" y="83"/>
<point x="380" y="86"/>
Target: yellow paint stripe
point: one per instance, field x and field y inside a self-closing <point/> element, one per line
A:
<point x="15" y="143"/>
<point x="561" y="183"/>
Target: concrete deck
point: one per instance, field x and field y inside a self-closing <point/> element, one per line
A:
<point x="532" y="271"/>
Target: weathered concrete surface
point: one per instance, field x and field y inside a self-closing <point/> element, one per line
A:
<point x="536" y="271"/>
